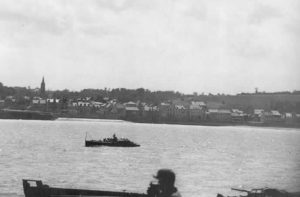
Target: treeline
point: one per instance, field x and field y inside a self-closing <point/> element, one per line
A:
<point x="6" y="91"/>
<point x="121" y="94"/>
<point x="295" y="92"/>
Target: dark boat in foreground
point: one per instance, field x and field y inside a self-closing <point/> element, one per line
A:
<point x="114" y="141"/>
<point x="264" y="192"/>
<point x="35" y="188"/>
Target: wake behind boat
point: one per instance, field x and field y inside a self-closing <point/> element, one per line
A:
<point x="114" y="141"/>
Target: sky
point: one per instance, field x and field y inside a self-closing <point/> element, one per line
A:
<point x="203" y="46"/>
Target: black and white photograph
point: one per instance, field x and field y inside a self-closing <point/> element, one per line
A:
<point x="149" y="98"/>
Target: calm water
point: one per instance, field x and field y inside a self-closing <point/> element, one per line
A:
<point x="207" y="160"/>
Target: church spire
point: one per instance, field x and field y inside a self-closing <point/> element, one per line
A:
<point x="43" y="87"/>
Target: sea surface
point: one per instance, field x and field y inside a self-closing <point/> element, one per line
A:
<point x="207" y="160"/>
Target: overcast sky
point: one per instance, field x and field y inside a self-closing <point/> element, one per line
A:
<point x="217" y="46"/>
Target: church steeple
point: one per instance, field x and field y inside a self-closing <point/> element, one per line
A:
<point x="43" y="87"/>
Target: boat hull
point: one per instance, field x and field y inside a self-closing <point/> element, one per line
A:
<point x="94" y="143"/>
<point x="41" y="190"/>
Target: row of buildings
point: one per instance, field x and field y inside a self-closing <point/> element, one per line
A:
<point x="173" y="111"/>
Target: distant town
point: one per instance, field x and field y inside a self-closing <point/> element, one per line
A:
<point x="142" y="105"/>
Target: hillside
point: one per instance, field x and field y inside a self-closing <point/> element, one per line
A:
<point x="281" y="102"/>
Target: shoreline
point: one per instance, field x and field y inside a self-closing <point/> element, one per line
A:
<point x="203" y="123"/>
<point x="218" y="124"/>
<point x="39" y="115"/>
<point x="206" y="123"/>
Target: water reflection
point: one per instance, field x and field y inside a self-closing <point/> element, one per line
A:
<point x="207" y="160"/>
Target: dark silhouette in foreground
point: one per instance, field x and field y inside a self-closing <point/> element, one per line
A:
<point x="165" y="186"/>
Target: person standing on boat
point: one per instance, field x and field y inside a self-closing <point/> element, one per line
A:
<point x="166" y="184"/>
<point x="115" y="139"/>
